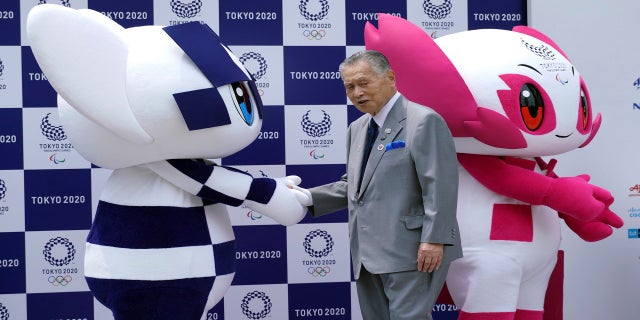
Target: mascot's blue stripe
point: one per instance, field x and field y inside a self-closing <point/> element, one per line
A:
<point x="145" y="295"/>
<point x="200" y="173"/>
<point x="204" y="48"/>
<point x="138" y="227"/>
<point x="212" y="195"/>
<point x="224" y="255"/>
<point x="261" y="190"/>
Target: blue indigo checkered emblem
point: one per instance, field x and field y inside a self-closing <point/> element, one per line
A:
<point x="3" y="189"/>
<point x="4" y="313"/>
<point x="66" y="3"/>
<point x="437" y="11"/>
<point x="324" y="10"/>
<point x="316" y="129"/>
<point x="541" y="51"/>
<point x="51" y="132"/>
<point x="48" y="248"/>
<point x="266" y="305"/>
<point x="328" y="240"/>
<point x="186" y="10"/>
<point x="262" y="63"/>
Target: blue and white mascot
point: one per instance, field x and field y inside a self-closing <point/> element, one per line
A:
<point x="152" y="103"/>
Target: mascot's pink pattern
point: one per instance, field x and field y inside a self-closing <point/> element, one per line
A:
<point x="509" y="98"/>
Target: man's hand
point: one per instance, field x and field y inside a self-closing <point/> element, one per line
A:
<point x="430" y="256"/>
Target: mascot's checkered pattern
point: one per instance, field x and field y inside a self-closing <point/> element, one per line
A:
<point x="161" y="245"/>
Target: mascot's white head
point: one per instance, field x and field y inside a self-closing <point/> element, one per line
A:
<point x="503" y="93"/>
<point x="143" y="94"/>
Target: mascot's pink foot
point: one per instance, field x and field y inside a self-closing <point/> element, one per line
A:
<point x="518" y="315"/>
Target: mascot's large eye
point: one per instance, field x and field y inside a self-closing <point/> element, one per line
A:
<point x="242" y="100"/>
<point x="531" y="106"/>
<point x="584" y="109"/>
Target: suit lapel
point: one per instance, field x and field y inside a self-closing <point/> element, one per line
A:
<point x="392" y="126"/>
<point x="361" y="137"/>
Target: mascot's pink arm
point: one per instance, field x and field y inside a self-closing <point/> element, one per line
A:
<point x="585" y="206"/>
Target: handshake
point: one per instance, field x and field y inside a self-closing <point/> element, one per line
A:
<point x="289" y="203"/>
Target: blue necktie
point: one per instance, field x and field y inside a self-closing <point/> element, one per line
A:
<point x="372" y="133"/>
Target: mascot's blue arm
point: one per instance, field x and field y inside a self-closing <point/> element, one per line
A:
<point x="218" y="184"/>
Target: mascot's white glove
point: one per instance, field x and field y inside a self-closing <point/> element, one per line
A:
<point x="302" y="195"/>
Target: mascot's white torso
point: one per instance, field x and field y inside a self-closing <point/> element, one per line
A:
<point x="152" y="103"/>
<point x="509" y="98"/>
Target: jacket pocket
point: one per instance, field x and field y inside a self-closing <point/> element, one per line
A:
<point x="413" y="222"/>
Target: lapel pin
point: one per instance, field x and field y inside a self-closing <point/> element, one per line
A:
<point x="387" y="130"/>
<point x="380" y="147"/>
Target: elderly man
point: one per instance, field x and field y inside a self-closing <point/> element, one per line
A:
<point x="400" y="189"/>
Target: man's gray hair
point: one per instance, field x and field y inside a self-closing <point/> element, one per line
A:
<point x="375" y="59"/>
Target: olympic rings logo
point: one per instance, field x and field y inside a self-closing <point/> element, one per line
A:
<point x="262" y="63"/>
<point x="314" y="34"/>
<point x="328" y="241"/>
<point x="437" y="11"/>
<point x="324" y="10"/>
<point x="60" y="280"/>
<point x="319" y="271"/>
<point x="266" y="305"/>
<point x="71" y="251"/>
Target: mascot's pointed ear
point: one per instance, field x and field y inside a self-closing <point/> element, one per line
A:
<point x="423" y="70"/>
<point x="83" y="54"/>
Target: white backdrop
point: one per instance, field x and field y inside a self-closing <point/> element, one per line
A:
<point x="601" y="39"/>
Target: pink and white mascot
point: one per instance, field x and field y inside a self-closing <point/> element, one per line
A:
<point x="154" y="103"/>
<point x="509" y="98"/>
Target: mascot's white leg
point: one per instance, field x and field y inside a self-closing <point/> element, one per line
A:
<point x="533" y="290"/>
<point x="495" y="286"/>
<point x="485" y="283"/>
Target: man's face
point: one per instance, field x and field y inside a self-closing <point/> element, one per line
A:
<point x="367" y="90"/>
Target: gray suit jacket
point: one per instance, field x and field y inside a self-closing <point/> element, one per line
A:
<point x="408" y="193"/>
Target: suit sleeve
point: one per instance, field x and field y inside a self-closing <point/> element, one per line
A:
<point x="436" y="164"/>
<point x="329" y="198"/>
<point x="333" y="196"/>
